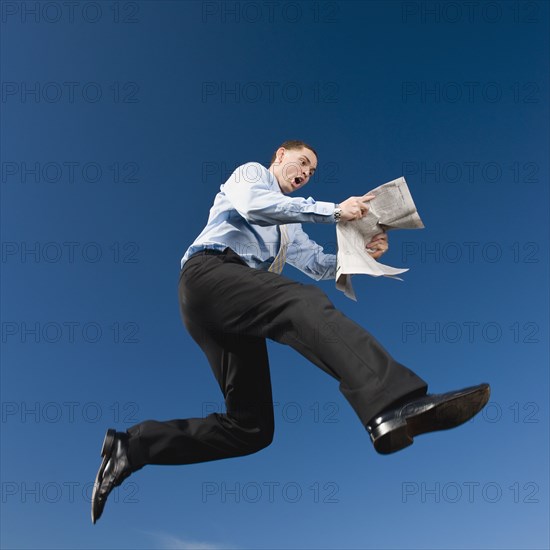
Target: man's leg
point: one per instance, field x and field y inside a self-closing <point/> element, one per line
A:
<point x="240" y="365"/>
<point x="389" y="399"/>
<point x="233" y="299"/>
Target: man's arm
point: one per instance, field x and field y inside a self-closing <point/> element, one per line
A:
<point x="257" y="198"/>
<point x="310" y="258"/>
<point x="250" y="192"/>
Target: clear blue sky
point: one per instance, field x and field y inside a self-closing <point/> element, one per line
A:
<point x="119" y="123"/>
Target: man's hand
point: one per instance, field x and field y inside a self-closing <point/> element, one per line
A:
<point x="355" y="207"/>
<point x="378" y="245"/>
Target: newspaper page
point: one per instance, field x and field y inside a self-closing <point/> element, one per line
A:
<point x="392" y="208"/>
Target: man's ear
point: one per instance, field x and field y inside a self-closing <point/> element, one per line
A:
<point x="280" y="154"/>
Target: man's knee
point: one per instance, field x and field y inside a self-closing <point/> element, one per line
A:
<point x="265" y="438"/>
<point x="258" y="438"/>
<point x="253" y="425"/>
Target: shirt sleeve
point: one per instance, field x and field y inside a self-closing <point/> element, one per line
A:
<point x="307" y="256"/>
<point x="251" y="193"/>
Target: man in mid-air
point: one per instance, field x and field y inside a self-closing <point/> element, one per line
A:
<point x="233" y="297"/>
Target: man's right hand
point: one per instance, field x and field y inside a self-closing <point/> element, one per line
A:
<point x="355" y="207"/>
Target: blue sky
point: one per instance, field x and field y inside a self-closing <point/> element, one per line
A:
<point x="119" y="122"/>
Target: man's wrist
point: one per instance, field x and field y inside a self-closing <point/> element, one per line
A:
<point x="337" y="213"/>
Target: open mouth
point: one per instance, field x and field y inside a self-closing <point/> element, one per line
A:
<point x="298" y="180"/>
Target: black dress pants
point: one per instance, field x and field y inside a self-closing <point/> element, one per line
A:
<point x="230" y="309"/>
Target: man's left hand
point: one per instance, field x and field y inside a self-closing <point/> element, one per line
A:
<point x="378" y="245"/>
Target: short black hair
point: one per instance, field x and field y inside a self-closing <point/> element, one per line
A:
<point x="293" y="144"/>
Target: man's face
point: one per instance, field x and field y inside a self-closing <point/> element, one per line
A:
<point x="293" y="168"/>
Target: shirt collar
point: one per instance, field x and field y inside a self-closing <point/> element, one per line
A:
<point x="273" y="181"/>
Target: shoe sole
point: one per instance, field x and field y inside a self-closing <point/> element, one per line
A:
<point x="108" y="442"/>
<point x="106" y="450"/>
<point x="395" y="435"/>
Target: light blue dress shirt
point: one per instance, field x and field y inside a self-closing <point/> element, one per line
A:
<point x="245" y="215"/>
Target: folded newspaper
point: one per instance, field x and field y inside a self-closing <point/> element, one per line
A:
<point x="392" y="208"/>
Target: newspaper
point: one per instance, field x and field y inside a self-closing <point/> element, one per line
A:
<point x="392" y="208"/>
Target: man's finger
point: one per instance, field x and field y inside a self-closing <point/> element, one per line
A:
<point x="367" y="197"/>
<point x="379" y="240"/>
<point x="380" y="236"/>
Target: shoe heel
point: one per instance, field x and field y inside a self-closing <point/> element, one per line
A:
<point x="391" y="436"/>
<point x="108" y="442"/>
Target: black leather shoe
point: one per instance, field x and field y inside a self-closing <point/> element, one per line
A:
<point x="395" y="428"/>
<point x="114" y="469"/>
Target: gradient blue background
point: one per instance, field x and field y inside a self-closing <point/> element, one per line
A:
<point x="359" y="68"/>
